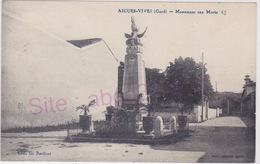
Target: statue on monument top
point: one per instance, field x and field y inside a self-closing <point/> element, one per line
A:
<point x="135" y="30"/>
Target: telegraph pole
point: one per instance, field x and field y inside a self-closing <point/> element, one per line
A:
<point x="202" y="88"/>
<point x="216" y="99"/>
<point x="228" y="106"/>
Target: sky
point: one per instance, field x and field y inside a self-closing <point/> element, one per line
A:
<point x="228" y="41"/>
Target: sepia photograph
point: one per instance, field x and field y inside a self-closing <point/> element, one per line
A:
<point x="121" y="81"/>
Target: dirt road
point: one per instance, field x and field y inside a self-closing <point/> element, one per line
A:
<point x="225" y="139"/>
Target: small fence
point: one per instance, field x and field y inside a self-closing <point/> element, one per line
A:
<point x="73" y="128"/>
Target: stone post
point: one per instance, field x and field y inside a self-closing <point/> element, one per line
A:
<point x="158" y="127"/>
<point x="173" y="127"/>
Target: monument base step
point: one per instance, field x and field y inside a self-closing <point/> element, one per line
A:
<point x="144" y="139"/>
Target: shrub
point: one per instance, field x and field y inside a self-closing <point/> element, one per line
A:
<point x="110" y="129"/>
<point x="103" y="128"/>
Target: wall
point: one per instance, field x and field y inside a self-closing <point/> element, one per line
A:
<point x="250" y="89"/>
<point x="212" y="113"/>
<point x="38" y="66"/>
<point x="194" y="116"/>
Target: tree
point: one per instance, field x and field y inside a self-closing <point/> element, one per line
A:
<point x="183" y="82"/>
<point x="155" y="85"/>
<point x="221" y="99"/>
<point x="85" y="108"/>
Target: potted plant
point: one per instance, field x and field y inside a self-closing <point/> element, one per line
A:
<point x="182" y="119"/>
<point x="110" y="112"/>
<point x="148" y="121"/>
<point x="85" y="119"/>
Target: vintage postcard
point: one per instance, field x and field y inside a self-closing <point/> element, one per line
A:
<point x="128" y="81"/>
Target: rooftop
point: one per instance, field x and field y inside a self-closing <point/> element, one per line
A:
<point x="84" y="42"/>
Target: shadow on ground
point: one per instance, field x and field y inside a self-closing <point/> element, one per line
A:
<point x="249" y="121"/>
<point x="220" y="144"/>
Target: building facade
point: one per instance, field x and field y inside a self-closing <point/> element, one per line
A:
<point x="248" y="103"/>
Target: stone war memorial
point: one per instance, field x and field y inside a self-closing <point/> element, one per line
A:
<point x="130" y="120"/>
